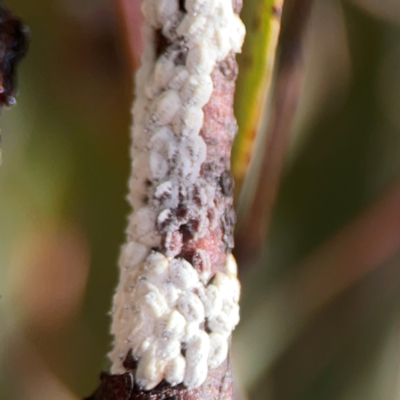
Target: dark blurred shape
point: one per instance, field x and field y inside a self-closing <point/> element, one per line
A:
<point x="14" y="40"/>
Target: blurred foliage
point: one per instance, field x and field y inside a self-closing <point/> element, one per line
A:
<point x="262" y="21"/>
<point x="62" y="209"/>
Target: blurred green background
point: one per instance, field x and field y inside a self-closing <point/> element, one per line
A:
<point x="63" y="212"/>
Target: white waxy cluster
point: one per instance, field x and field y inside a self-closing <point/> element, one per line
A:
<point x="170" y="93"/>
<point x="176" y="326"/>
<point x="177" y="321"/>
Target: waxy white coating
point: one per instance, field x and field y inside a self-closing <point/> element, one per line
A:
<point x="176" y="321"/>
<point x="161" y="308"/>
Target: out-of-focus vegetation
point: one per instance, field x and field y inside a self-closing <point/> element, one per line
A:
<point x="262" y="21"/>
<point x="310" y="329"/>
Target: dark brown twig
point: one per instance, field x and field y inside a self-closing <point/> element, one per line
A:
<point x="14" y="39"/>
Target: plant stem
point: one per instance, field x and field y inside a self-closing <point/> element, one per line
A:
<point x="252" y="231"/>
<point x="256" y="64"/>
<point x="177" y="301"/>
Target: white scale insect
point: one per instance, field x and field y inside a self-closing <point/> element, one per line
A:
<point x="162" y="305"/>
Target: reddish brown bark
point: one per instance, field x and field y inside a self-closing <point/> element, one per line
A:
<point x="218" y="131"/>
